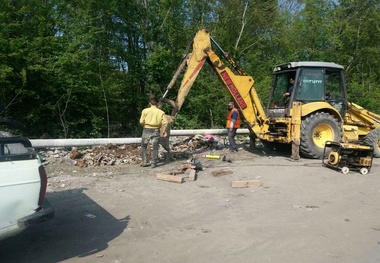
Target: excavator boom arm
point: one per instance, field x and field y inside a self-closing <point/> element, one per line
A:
<point x="239" y="86"/>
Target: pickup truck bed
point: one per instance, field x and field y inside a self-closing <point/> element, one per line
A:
<point x="23" y="183"/>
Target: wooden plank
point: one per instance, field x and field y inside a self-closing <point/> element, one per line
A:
<point x="169" y="178"/>
<point x="246" y="183"/>
<point x="187" y="166"/>
<point x="221" y="172"/>
<point x="192" y="175"/>
<point x="176" y="172"/>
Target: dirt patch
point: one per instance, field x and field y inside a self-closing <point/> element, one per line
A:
<point x="296" y="212"/>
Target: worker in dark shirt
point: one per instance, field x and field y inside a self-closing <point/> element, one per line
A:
<point x="288" y="93"/>
<point x="233" y="123"/>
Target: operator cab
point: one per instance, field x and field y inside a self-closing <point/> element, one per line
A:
<point x="306" y="82"/>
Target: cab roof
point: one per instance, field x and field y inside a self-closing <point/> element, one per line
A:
<point x="318" y="64"/>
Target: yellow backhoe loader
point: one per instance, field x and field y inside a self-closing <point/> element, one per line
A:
<point x="314" y="111"/>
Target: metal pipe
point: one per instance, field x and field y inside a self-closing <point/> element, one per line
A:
<point x="44" y="143"/>
<point x="217" y="45"/>
<point x="175" y="77"/>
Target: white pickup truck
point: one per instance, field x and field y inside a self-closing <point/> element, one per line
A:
<point x="23" y="183"/>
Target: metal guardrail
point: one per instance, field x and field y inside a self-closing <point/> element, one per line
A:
<point x="45" y="143"/>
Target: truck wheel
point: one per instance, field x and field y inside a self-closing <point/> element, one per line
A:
<point x="373" y="139"/>
<point x="316" y="129"/>
<point x="345" y="170"/>
<point x="363" y="171"/>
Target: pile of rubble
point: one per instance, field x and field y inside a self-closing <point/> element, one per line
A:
<point x="110" y="155"/>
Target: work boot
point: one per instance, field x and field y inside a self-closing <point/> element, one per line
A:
<point x="154" y="165"/>
<point x="169" y="157"/>
<point x="144" y="165"/>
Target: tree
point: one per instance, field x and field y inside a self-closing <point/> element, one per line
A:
<point x="87" y="68"/>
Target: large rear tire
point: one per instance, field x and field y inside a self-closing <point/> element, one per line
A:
<point x="373" y="139"/>
<point x="316" y="129"/>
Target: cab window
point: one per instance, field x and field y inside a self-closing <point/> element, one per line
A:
<point x="281" y="86"/>
<point x="310" y="85"/>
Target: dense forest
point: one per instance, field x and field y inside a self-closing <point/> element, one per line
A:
<point x="86" y="68"/>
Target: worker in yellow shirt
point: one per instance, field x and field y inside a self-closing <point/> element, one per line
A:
<point x="152" y="119"/>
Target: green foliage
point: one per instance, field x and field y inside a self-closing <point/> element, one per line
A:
<point x="71" y="69"/>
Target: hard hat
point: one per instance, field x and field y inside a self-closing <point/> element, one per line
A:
<point x="230" y="103"/>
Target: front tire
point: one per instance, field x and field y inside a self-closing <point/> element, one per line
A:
<point x="373" y="139"/>
<point x="316" y="129"/>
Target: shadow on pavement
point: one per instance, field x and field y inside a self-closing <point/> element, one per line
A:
<point x="80" y="227"/>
